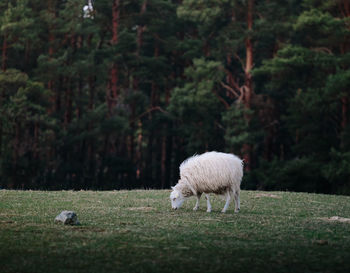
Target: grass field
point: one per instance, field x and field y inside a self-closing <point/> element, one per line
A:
<point x="136" y="231"/>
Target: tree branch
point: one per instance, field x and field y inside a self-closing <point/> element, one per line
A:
<point x="240" y="61"/>
<point x="229" y="88"/>
<point x="322" y="49"/>
<point x="155" y="108"/>
<point x="227" y="106"/>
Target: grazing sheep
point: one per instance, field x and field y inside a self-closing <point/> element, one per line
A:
<point x="211" y="172"/>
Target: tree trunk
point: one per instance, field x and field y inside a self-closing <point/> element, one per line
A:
<point x="164" y="145"/>
<point x="112" y="89"/>
<point x="112" y="93"/>
<point x="135" y="153"/>
<point x="154" y="92"/>
<point x="91" y="106"/>
<point x="36" y="146"/>
<point x="68" y="104"/>
<point x="345" y="105"/>
<point x="344" y="7"/>
<point x="4" y="53"/>
<point x="50" y="83"/>
<point x="141" y="29"/>
<point x="138" y="154"/>
<point x="16" y="153"/>
<point x="80" y="94"/>
<point x="115" y="21"/>
<point x="27" y="55"/>
<point x="0" y="138"/>
<point x="91" y="146"/>
<point x="248" y="87"/>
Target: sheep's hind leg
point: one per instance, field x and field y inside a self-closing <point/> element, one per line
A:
<point x="197" y="202"/>
<point x="228" y="199"/>
<point x="208" y="203"/>
<point x="237" y="202"/>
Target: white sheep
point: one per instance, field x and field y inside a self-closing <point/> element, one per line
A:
<point x="211" y="172"/>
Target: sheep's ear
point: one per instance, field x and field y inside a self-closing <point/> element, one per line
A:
<point x="172" y="187"/>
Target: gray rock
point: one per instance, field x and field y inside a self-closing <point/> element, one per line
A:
<point x="67" y="218"/>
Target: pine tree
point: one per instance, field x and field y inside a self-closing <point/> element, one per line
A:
<point x="227" y="31"/>
<point x="26" y="126"/>
<point x="309" y="78"/>
<point x="15" y="25"/>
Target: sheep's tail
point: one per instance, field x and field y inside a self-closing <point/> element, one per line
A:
<point x="239" y="167"/>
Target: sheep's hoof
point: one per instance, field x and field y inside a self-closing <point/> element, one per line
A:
<point x="236" y="211"/>
<point x="208" y="210"/>
<point x="195" y="208"/>
<point x="223" y="211"/>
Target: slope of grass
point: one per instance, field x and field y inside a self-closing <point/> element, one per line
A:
<point x="136" y="231"/>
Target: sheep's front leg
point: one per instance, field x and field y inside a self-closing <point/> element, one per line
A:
<point x="197" y="202"/>
<point x="228" y="199"/>
<point x="208" y="203"/>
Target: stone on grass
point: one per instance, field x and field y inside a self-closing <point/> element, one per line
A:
<point x="67" y="218"/>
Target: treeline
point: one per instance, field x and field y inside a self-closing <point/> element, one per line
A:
<point x="112" y="94"/>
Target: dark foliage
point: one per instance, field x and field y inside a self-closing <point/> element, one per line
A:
<point x="117" y="96"/>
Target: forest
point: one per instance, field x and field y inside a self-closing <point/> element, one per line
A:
<point x="115" y="94"/>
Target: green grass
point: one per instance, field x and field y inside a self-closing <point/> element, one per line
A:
<point x="136" y="231"/>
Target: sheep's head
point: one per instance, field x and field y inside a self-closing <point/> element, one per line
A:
<point x="176" y="198"/>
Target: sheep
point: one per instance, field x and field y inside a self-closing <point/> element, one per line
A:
<point x="211" y="172"/>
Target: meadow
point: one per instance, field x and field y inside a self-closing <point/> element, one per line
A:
<point x="136" y="231"/>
